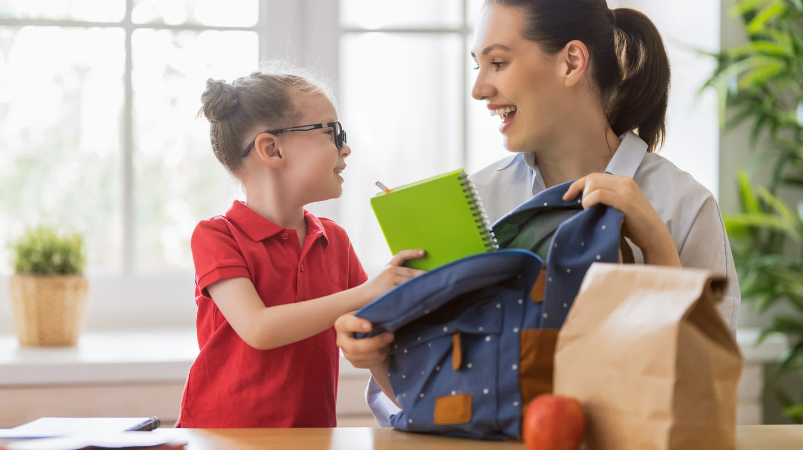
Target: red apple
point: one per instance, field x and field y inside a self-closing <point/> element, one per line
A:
<point x="553" y="422"/>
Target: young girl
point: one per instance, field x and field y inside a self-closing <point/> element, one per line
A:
<point x="582" y="92"/>
<point x="271" y="278"/>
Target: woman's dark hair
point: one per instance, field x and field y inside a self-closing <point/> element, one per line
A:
<point x="628" y="59"/>
<point x="260" y="101"/>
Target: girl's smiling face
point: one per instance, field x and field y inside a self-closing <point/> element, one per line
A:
<point x="518" y="81"/>
<point x="313" y="163"/>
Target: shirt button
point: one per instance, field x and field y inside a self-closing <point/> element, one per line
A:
<point x="285" y="236"/>
<point x="302" y="267"/>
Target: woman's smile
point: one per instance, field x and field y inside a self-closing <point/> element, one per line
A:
<point x="505" y="112"/>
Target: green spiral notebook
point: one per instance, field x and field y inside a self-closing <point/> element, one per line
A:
<point x="442" y="215"/>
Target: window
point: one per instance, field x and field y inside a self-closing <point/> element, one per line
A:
<point x="405" y="85"/>
<point x="98" y="132"/>
<point x="98" y="121"/>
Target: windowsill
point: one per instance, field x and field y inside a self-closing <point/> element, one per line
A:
<point x="160" y="356"/>
<point x="772" y="349"/>
<point x="111" y="357"/>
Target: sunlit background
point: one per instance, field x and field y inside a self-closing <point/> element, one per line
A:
<point x="98" y="127"/>
<point x="99" y="134"/>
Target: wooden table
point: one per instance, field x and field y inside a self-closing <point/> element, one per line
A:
<point x="753" y="437"/>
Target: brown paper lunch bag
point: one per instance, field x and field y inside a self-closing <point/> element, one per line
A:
<point x="646" y="352"/>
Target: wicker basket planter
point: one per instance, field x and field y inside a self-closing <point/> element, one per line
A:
<point x="48" y="310"/>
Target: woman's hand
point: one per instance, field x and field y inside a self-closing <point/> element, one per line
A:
<point x="642" y="224"/>
<point x="361" y="353"/>
<point x="391" y="276"/>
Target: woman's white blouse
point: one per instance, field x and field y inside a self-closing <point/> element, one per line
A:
<point x="688" y="209"/>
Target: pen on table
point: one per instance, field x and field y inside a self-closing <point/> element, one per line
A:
<point x="383" y="187"/>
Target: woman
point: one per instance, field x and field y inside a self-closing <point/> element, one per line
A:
<point x="582" y="92"/>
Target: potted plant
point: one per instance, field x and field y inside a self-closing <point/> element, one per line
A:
<point x="761" y="83"/>
<point x="48" y="289"/>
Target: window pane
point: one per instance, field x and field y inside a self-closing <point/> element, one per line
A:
<point x="376" y="14"/>
<point x="484" y="139"/>
<point x="401" y="108"/>
<point x="231" y="13"/>
<point x="61" y="95"/>
<point x="474" y="11"/>
<point x="178" y="181"/>
<point x="86" y="10"/>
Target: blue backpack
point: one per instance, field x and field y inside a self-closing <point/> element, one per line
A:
<point x="475" y="339"/>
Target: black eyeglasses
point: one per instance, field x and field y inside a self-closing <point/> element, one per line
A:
<point x="340" y="134"/>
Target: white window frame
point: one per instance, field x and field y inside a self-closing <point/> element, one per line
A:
<point x="134" y="300"/>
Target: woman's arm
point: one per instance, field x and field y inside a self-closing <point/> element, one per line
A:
<point x="371" y="353"/>
<point x="380" y="375"/>
<point x="642" y="223"/>
<point x="706" y="246"/>
<point x="266" y="328"/>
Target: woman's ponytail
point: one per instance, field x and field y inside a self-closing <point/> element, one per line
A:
<point x="641" y="97"/>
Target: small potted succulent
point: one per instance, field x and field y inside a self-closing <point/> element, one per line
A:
<point x="48" y="289"/>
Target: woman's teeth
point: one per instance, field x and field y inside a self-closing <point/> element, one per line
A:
<point x="501" y="112"/>
<point x="338" y="171"/>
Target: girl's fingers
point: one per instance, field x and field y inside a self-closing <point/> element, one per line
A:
<point x="404" y="255"/>
<point x="409" y="273"/>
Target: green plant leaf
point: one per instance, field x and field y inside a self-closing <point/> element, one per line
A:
<point x="787" y="324"/>
<point x="765" y="48"/>
<point x="748" y="195"/>
<point x="755" y="134"/>
<point x="43" y="251"/>
<point x="743" y="7"/>
<point x="760" y="220"/>
<point x="792" y="359"/>
<point x="779" y="206"/>
<point x="759" y="76"/>
<point x="795" y="412"/>
<point x="768" y="14"/>
<point x="763" y="336"/>
<point x="738" y="119"/>
<point x="782" y="39"/>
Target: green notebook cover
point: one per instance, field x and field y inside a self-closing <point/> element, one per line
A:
<point x="441" y="215"/>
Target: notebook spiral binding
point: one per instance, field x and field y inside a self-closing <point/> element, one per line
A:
<point x="480" y="217"/>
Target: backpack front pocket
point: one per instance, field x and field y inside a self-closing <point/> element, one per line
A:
<point x="446" y="376"/>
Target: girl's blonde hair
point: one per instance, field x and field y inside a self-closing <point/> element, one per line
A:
<point x="263" y="100"/>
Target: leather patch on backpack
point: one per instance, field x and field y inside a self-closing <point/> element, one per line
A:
<point x="537" y="293"/>
<point x="457" y="351"/>
<point x="537" y="363"/>
<point x="453" y="409"/>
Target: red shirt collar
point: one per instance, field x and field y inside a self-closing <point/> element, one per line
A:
<point x="259" y="228"/>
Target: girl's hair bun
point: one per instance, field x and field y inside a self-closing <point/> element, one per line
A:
<point x="219" y="99"/>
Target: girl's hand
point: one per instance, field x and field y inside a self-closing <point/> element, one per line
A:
<point x="642" y="224"/>
<point x="391" y="276"/>
<point x="361" y="353"/>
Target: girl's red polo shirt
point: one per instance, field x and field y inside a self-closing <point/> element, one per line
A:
<point x="233" y="385"/>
